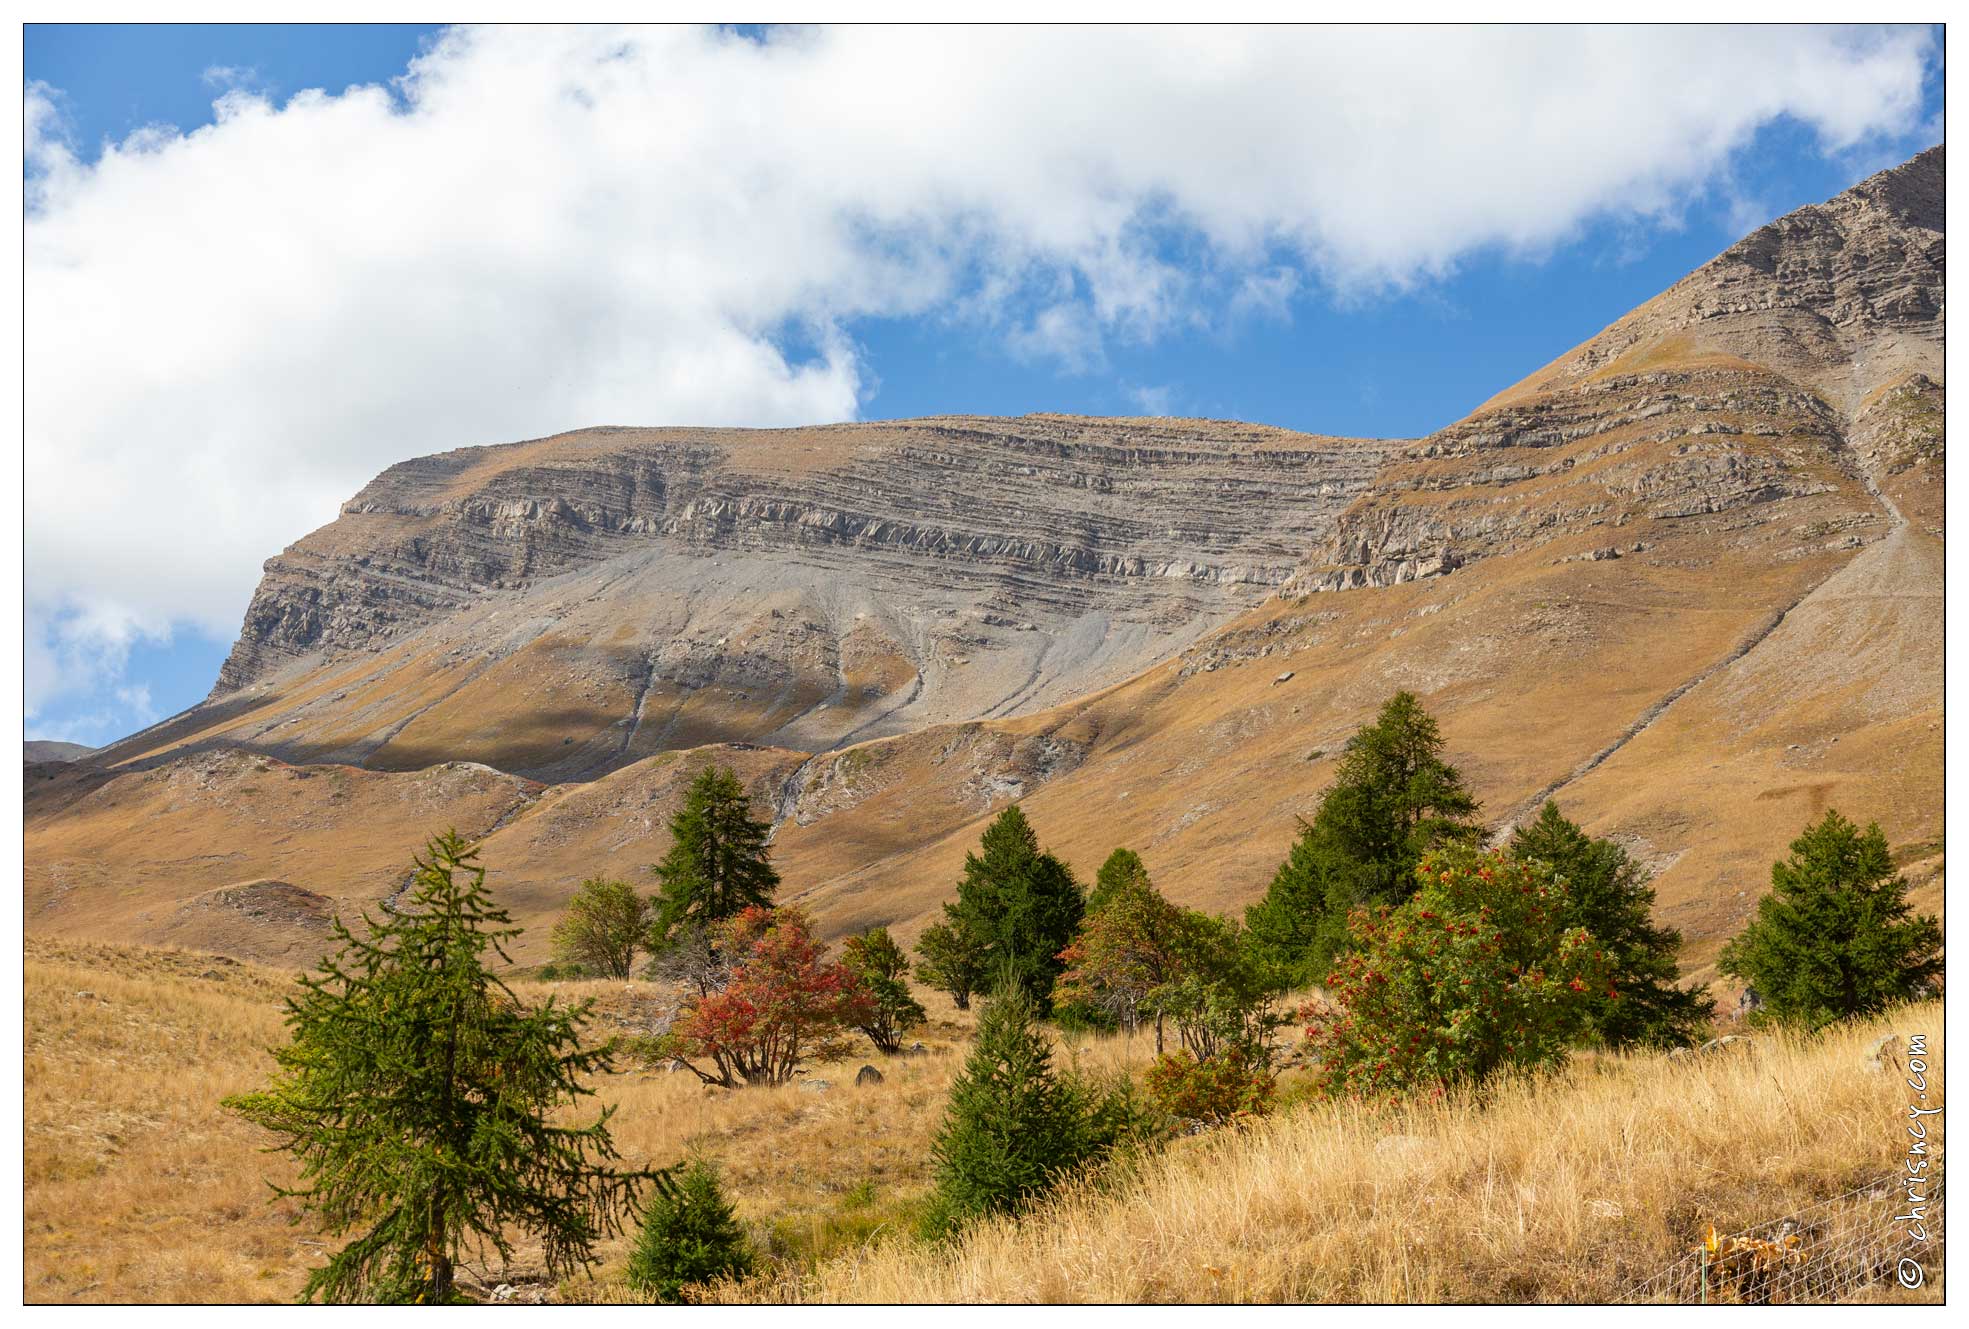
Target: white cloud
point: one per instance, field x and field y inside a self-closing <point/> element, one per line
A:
<point x="1153" y="399"/>
<point x="230" y="76"/>
<point x="229" y="331"/>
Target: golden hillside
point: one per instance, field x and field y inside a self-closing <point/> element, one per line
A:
<point x="1570" y="1187"/>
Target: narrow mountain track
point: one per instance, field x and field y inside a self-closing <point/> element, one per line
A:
<point x="1863" y="570"/>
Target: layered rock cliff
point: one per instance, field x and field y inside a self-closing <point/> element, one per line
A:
<point x="564" y="606"/>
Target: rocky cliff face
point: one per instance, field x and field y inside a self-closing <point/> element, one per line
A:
<point x="1842" y="296"/>
<point x="567" y="605"/>
<point x="1730" y="391"/>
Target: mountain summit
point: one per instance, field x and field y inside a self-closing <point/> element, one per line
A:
<point x="1686" y="579"/>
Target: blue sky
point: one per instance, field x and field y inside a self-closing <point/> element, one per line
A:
<point x="1170" y="285"/>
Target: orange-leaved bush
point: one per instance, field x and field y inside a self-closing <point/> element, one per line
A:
<point x="1217" y="1089"/>
<point x="1475" y="973"/>
<point x="782" y="1005"/>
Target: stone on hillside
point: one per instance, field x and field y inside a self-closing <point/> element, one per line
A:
<point x="868" y="1075"/>
<point x="1727" y="1043"/>
<point x="816" y="1086"/>
<point x="1882" y="1054"/>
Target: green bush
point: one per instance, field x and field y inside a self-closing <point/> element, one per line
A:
<point x="874" y="958"/>
<point x="1214" y="1091"/>
<point x="689" y="1236"/>
<point x="1478" y="972"/>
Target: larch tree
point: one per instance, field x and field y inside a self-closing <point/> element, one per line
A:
<point x="1123" y="868"/>
<point x="1393" y="799"/>
<point x="427" y="1106"/>
<point x="1609" y="895"/>
<point x="719" y="862"/>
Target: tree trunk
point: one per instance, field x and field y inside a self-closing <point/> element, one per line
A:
<point x="441" y="1273"/>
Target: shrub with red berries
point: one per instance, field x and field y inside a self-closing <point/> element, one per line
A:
<point x="1475" y="973"/>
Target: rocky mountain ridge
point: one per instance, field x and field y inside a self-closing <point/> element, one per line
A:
<point x="1686" y="579"/>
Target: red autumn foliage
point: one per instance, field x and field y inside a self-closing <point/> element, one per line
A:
<point x="782" y="1005"/>
<point x="1215" y="1090"/>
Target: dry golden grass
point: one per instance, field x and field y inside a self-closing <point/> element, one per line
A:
<point x="139" y="1188"/>
<point x="1563" y="1188"/>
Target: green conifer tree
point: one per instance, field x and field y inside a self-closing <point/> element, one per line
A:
<point x="689" y="1236"/>
<point x="1014" y="1125"/>
<point x="1608" y="894"/>
<point x="1835" y="938"/>
<point x="719" y="863"/>
<point x="1019" y="905"/>
<point x="1392" y="800"/>
<point x="1123" y="869"/>
<point x="426" y="1104"/>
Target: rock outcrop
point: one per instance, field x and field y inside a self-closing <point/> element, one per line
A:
<point x="633" y="591"/>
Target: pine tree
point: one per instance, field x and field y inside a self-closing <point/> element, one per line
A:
<point x="719" y="862"/>
<point x="1018" y="905"/>
<point x="950" y="961"/>
<point x="1301" y="922"/>
<point x="1835" y="938"/>
<point x="1014" y="1125"/>
<point x="1392" y="800"/>
<point x="424" y="1102"/>
<point x="1608" y="894"/>
<point x="605" y="924"/>
<point x="689" y="1236"/>
<point x="874" y="958"/>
